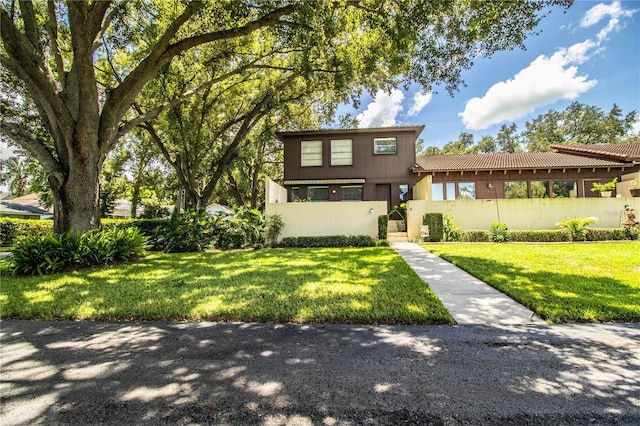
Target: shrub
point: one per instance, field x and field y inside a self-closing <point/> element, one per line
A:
<point x="577" y="227"/>
<point x="272" y="229"/>
<point x="52" y="253"/>
<point x="382" y="243"/>
<point x="539" y="236"/>
<point x="475" y="236"/>
<point x="17" y="229"/>
<point x="606" y="234"/>
<point x="498" y="233"/>
<point x="185" y="232"/>
<point x="383" y="226"/>
<point x="7" y="233"/>
<point x="328" y="241"/>
<point x="452" y="232"/>
<point x="232" y="233"/>
<point x="435" y="223"/>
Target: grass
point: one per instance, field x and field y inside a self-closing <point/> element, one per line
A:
<point x="584" y="282"/>
<point x="362" y="286"/>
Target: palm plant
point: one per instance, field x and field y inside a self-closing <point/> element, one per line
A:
<point x="577" y="226"/>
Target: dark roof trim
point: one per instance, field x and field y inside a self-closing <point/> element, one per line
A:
<point x="415" y="129"/>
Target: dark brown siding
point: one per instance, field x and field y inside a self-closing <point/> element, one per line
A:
<point x="392" y="169"/>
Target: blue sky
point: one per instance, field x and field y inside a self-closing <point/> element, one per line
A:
<point x="589" y="54"/>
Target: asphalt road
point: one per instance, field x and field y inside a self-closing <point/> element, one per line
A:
<point x="264" y="374"/>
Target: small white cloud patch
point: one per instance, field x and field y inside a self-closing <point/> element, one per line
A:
<point x="383" y="110"/>
<point x="547" y="79"/>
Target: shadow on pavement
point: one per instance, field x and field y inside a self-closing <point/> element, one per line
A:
<point x="266" y="374"/>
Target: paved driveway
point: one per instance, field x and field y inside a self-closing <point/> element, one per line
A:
<point x="222" y="373"/>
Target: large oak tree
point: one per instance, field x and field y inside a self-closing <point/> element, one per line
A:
<point x="61" y="53"/>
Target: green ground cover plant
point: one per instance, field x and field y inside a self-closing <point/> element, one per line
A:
<point x="329" y="285"/>
<point x="584" y="282"/>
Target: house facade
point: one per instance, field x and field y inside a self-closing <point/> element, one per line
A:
<point x="351" y="165"/>
<point x="380" y="164"/>
<point x="568" y="172"/>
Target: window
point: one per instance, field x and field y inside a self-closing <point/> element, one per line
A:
<point x="564" y="189"/>
<point x="450" y="188"/>
<point x="295" y="193"/>
<point x="318" y="193"/>
<point x="384" y="146"/>
<point x="437" y="192"/>
<point x="515" y="190"/>
<point x="311" y="153"/>
<point x="466" y="191"/>
<point x="351" y="193"/>
<point x="540" y="189"/>
<point x="404" y="193"/>
<point x="342" y="152"/>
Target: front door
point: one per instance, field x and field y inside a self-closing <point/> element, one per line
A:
<point x="383" y="193"/>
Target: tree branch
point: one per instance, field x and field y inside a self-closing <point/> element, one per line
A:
<point x="23" y="137"/>
<point x="52" y="28"/>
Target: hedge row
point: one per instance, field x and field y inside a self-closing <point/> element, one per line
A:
<point x="12" y="230"/>
<point x="328" y="241"/>
<point x="545" y="236"/>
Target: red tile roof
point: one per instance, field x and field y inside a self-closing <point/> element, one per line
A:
<point x="624" y="151"/>
<point x="524" y="160"/>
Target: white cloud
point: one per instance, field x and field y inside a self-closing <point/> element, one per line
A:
<point x="383" y="110"/>
<point x="420" y="100"/>
<point x="546" y="79"/>
<point x="614" y="12"/>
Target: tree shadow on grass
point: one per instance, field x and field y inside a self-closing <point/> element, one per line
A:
<point x="223" y="373"/>
<point x="366" y="286"/>
<point x="556" y="296"/>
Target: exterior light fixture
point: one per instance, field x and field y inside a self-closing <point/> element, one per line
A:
<point x="371" y="210"/>
<point x="489" y="185"/>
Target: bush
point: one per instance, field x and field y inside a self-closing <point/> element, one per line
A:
<point x="498" y="233"/>
<point x="7" y="233"/>
<point x="184" y="232"/>
<point x="328" y="241"/>
<point x="383" y="226"/>
<point x="435" y="223"/>
<point x="606" y="234"/>
<point x="232" y="233"/>
<point x="539" y="236"/>
<point x="17" y="229"/>
<point x="53" y="253"/>
<point x="452" y="232"/>
<point x="382" y="243"/>
<point x="273" y="227"/>
<point x="577" y="227"/>
<point x="475" y="236"/>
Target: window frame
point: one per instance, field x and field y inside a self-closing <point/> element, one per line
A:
<point x="302" y="154"/>
<point x="334" y="161"/>
<point x="361" y="187"/>
<point x="375" y="146"/>
<point x="310" y="193"/>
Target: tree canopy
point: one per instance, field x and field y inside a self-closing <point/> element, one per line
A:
<point x="82" y="66"/>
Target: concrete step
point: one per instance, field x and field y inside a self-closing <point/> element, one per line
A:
<point x="395" y="226"/>
<point x="397" y="237"/>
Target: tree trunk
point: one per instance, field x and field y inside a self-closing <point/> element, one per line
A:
<point x="77" y="202"/>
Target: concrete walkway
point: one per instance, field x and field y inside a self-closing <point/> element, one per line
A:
<point x="469" y="300"/>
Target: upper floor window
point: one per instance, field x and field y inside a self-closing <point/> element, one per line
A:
<point x="342" y="152"/>
<point x="385" y="146"/>
<point x="311" y="153"/>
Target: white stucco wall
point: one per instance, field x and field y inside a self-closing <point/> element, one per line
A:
<point x="542" y="213"/>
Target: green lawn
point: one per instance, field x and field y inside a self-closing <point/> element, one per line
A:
<point x="580" y="282"/>
<point x="363" y="286"/>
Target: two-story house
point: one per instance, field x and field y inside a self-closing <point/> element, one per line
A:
<point x="372" y="164"/>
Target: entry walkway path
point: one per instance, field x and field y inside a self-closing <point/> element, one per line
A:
<point x="469" y="300"/>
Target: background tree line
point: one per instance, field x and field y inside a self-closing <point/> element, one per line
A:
<point x="577" y="124"/>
